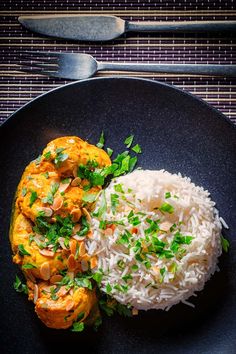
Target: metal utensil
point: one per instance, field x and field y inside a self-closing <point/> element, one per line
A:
<point x="76" y="66"/>
<point x="106" y="27"/>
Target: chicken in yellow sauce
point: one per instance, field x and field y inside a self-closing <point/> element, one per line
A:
<point x="49" y="227"/>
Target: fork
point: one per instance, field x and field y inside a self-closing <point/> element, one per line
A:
<point x="77" y="66"/>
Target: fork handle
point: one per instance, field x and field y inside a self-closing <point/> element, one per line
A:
<point x="204" y="69"/>
<point x="180" y="26"/>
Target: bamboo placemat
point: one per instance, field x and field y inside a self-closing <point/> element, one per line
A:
<point x="17" y="88"/>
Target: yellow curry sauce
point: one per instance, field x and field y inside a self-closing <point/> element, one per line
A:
<point x="49" y="227"/>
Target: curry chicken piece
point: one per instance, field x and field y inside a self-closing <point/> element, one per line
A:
<point x="50" y="189"/>
<point x="43" y="264"/>
<point x="67" y="153"/>
<point x="66" y="309"/>
<point x="44" y="188"/>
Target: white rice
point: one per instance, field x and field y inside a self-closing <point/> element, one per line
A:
<point x="145" y="191"/>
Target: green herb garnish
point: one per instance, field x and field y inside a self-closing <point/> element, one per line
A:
<point x="33" y="198"/>
<point x="101" y="141"/>
<point x="28" y="266"/>
<point x="167" y="208"/>
<point x="224" y="243"/>
<point x="23" y="251"/>
<point x="19" y="286"/>
<point x="137" y="149"/>
<point x="129" y="140"/>
<point x="60" y="157"/>
<point x="47" y="155"/>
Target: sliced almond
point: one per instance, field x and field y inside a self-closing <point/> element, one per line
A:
<point x="75" y="170"/>
<point x="45" y="271"/>
<point x="165" y="226"/>
<point x="76" y="228"/>
<point x="63" y="186"/>
<point x="76" y="181"/>
<point x="62" y="291"/>
<point x="76" y="214"/>
<point x="69" y="305"/>
<point x="57" y="203"/>
<point x="62" y="243"/>
<point x="86" y="213"/>
<point x="36" y="292"/>
<point x="71" y="292"/>
<point x="84" y="265"/>
<point x="56" y="278"/>
<point x="78" y="238"/>
<point x="47" y="253"/>
<point x="93" y="262"/>
<point x="73" y="246"/>
<point x="134" y="311"/>
<point x="47" y="211"/>
<point x="82" y="249"/>
<point x="71" y="262"/>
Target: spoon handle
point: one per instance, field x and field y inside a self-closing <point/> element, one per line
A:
<point x="202" y="69"/>
<point x="180" y="26"/>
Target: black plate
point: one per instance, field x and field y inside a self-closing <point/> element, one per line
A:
<point x="177" y="132"/>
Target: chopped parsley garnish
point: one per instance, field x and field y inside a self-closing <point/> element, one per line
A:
<point x="129" y="140"/>
<point x="33" y="197"/>
<point x="91" y="173"/>
<point x="137" y="149"/>
<point x="98" y="277"/>
<point x="24" y="191"/>
<point x="53" y="292"/>
<point x="63" y="227"/>
<point x="134" y="267"/>
<point x="167" y="195"/>
<point x="114" y="202"/>
<point x="179" y="240"/>
<point x="46" y="175"/>
<point x="121" y="264"/>
<point x="23" y="251"/>
<point x="50" y="196"/>
<point x="28" y="266"/>
<point x="103" y="205"/>
<point x="162" y="273"/>
<point x="167" y="208"/>
<point x="65" y="180"/>
<point x="108" y="288"/>
<point x="77" y="327"/>
<point x="109" y="152"/>
<point x="19" y="286"/>
<point x="224" y="243"/>
<point x="101" y="141"/>
<point x="47" y="155"/>
<point x="60" y="157"/>
<point x="127" y="277"/>
<point x="84" y="227"/>
<point x="124" y="238"/>
<point x="89" y="197"/>
<point x="118" y="188"/>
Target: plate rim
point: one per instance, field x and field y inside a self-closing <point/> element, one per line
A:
<point x="122" y="77"/>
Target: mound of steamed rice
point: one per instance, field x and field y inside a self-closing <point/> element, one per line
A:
<point x="172" y="244"/>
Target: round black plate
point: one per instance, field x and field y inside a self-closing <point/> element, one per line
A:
<point x="177" y="132"/>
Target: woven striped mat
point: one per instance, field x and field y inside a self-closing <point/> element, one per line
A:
<point x="17" y="88"/>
